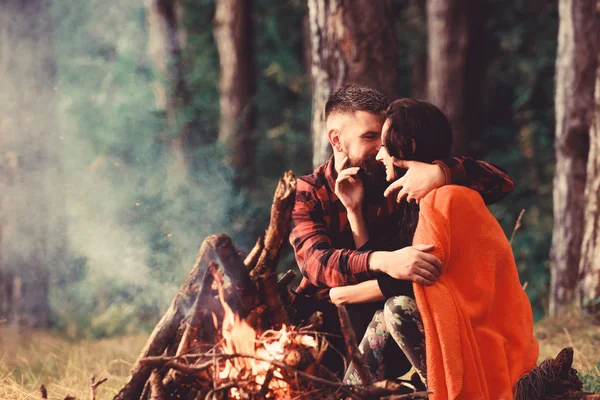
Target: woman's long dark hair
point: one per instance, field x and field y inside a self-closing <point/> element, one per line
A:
<point x="419" y="131"/>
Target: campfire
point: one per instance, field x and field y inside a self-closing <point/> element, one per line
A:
<point x="227" y="332"/>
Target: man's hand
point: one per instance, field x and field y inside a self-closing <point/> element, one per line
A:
<point x="413" y="263"/>
<point x="420" y="179"/>
<point x="349" y="187"/>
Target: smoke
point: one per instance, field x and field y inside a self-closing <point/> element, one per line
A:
<point x="132" y="234"/>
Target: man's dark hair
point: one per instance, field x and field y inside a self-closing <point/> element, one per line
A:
<point x="352" y="98"/>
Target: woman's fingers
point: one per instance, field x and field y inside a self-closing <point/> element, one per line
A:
<point x="401" y="194"/>
<point x="396" y="185"/>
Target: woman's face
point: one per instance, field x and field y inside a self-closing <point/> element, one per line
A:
<point x="384" y="157"/>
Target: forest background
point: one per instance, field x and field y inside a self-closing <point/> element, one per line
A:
<point x="133" y="207"/>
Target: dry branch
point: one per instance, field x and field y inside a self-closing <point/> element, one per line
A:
<point x="352" y="346"/>
<point x="252" y="257"/>
<point x="94" y="385"/>
<point x="277" y="232"/>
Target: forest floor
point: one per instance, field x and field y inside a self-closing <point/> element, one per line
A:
<point x="64" y="366"/>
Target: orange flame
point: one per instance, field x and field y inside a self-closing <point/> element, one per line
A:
<point x="240" y="338"/>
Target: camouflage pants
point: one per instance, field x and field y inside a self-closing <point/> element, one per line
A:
<point x="401" y="320"/>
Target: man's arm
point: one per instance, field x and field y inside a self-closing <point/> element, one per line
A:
<point x="323" y="265"/>
<point x="492" y="183"/>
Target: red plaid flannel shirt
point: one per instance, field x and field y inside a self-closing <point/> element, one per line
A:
<point x="321" y="235"/>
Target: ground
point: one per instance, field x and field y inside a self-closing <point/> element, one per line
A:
<point x="65" y="367"/>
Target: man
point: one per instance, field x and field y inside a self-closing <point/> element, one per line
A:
<point x="321" y="236"/>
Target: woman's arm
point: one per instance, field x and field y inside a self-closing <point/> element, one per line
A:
<point x="364" y="292"/>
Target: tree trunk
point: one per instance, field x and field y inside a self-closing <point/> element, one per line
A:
<point x="475" y="71"/>
<point x="574" y="103"/>
<point x="233" y="36"/>
<point x="166" y="40"/>
<point x="589" y="267"/>
<point x="350" y="44"/>
<point x="417" y="23"/>
<point x="448" y="35"/>
<point x="32" y="208"/>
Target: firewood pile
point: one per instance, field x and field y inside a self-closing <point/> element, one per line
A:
<point x="227" y="333"/>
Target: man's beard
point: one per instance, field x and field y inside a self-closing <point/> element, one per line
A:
<point x="372" y="174"/>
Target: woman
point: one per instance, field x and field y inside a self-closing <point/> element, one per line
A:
<point x="469" y="330"/>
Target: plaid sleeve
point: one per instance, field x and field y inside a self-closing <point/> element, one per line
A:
<point x="320" y="263"/>
<point x="490" y="181"/>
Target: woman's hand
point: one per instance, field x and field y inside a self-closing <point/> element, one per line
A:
<point x="420" y="179"/>
<point x="349" y="188"/>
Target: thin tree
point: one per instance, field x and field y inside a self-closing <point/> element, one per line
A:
<point x="351" y="43"/>
<point x="233" y="35"/>
<point x="448" y="40"/>
<point x="589" y="267"/>
<point x="166" y="41"/>
<point x="32" y="203"/>
<point x="576" y="63"/>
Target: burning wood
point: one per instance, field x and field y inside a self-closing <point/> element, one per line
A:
<point x="238" y="344"/>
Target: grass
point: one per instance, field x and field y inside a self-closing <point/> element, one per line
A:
<point x="30" y="359"/>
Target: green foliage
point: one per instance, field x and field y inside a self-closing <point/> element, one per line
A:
<point x="520" y="43"/>
<point x="134" y="234"/>
<point x="591" y="379"/>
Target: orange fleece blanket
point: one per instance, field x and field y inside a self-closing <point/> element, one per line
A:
<point x="477" y="318"/>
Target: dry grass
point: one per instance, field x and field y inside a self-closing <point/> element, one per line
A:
<point x="29" y="359"/>
<point x="572" y="330"/>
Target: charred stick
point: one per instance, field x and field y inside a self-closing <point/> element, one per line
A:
<point x="252" y="257"/>
<point x="156" y="387"/>
<point x="277" y="232"/>
<point x="265" y="386"/>
<point x="352" y="346"/>
<point x="286" y="279"/>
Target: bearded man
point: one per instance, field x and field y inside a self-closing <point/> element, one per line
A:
<point x="321" y="236"/>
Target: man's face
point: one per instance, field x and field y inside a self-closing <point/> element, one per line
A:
<point x="360" y="138"/>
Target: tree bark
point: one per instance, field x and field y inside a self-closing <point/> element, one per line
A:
<point x="417" y="23"/>
<point x="32" y="207"/>
<point x="576" y="64"/>
<point x="448" y="38"/>
<point x="166" y="40"/>
<point x="589" y="267"/>
<point x="351" y="43"/>
<point x="233" y="36"/>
